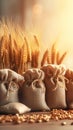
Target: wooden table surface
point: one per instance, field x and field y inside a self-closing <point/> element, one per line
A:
<point x="51" y="125"/>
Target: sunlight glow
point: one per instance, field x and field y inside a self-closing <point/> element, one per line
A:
<point x="54" y="20"/>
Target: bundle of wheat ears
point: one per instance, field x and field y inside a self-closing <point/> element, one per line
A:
<point x="52" y="56"/>
<point x="20" y="55"/>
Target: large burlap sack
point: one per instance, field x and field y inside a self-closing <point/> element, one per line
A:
<point x="69" y="86"/>
<point x="33" y="96"/>
<point x="55" y="86"/>
<point x="9" y="86"/>
<point x="14" y="108"/>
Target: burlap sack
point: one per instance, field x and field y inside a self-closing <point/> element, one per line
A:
<point x="55" y="92"/>
<point x="14" y="108"/>
<point x="9" y="86"/>
<point x="55" y="86"/>
<point x="69" y="86"/>
<point x="33" y="96"/>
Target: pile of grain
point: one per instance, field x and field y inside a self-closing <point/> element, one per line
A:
<point x="38" y="117"/>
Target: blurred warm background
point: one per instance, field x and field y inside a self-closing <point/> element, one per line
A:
<point x="50" y="20"/>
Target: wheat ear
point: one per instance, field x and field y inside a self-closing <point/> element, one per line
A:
<point x="28" y="49"/>
<point x="53" y="53"/>
<point x="62" y="58"/>
<point x="45" y="57"/>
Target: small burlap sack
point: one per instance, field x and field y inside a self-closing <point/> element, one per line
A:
<point x="55" y="86"/>
<point x="33" y="96"/>
<point x="9" y="86"/>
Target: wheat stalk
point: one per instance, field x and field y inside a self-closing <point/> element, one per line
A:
<point x="62" y="58"/>
<point x="6" y="59"/>
<point x="36" y="52"/>
<point x="28" y="50"/>
<point x="33" y="59"/>
<point x="2" y="47"/>
<point x="36" y="41"/>
<point x="53" y="53"/>
<point x="36" y="59"/>
<point x="16" y="55"/>
<point x="10" y="50"/>
<point x="23" y="57"/>
<point x="49" y="58"/>
<point x="1" y="51"/>
<point x="44" y="59"/>
<point x="57" y="57"/>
